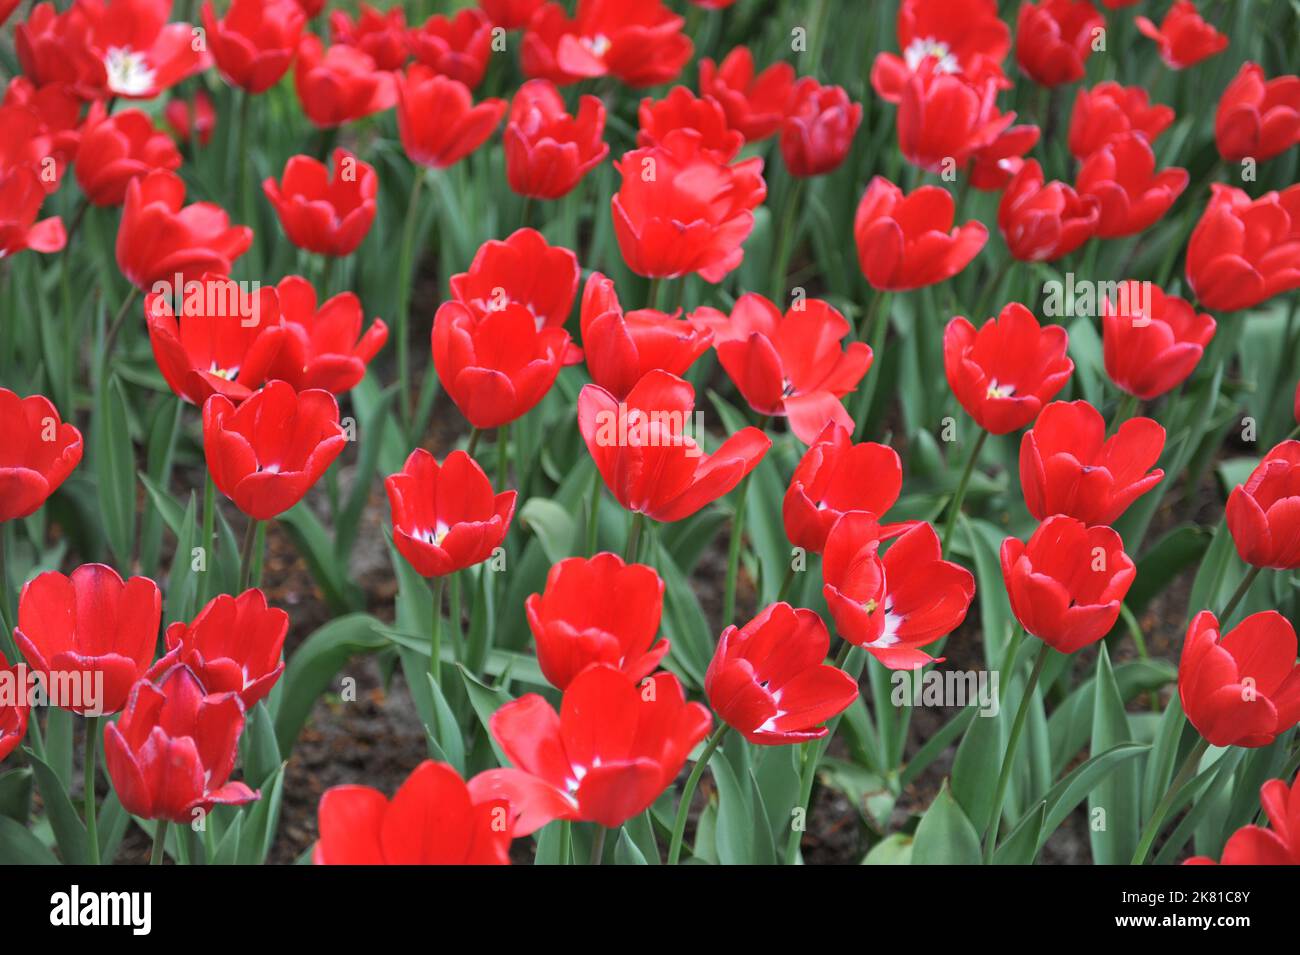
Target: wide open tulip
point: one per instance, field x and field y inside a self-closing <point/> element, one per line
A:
<point x="1130" y="194"/>
<point x="818" y="130"/>
<point x="1004" y="373"/>
<point x="1264" y="513"/>
<point x="1257" y="118"/>
<point x="171" y="754"/>
<point x="232" y="646"/>
<point x="160" y="237"/>
<point x="254" y="43"/>
<point x="615" y="746"/>
<point x="770" y="680"/>
<point x="37" y="453"/>
<point x="1041" y="222"/>
<point x="597" y="611"/>
<point x="1151" y="344"/>
<point x="89" y="635"/>
<point x="1068" y="465"/>
<point x="1054" y="37"/>
<point x="21" y="196"/>
<point x="955" y="36"/>
<point x="637" y="41"/>
<point x="522" y="270"/>
<point x="1109" y="111"/>
<point x="432" y="819"/>
<point x="446" y="518"/>
<point x="458" y="47"/>
<point x="547" y="150"/>
<point x="341" y="84"/>
<point x="380" y="34"/>
<point x="223" y="342"/>
<point x="945" y="119"/>
<point x="1245" y="250"/>
<point x="1255" y="845"/>
<point x="681" y="210"/>
<point x="13" y="715"/>
<point x="116" y="149"/>
<point x="1183" y="37"/>
<point x="647" y="456"/>
<point x="266" y="454"/>
<point x="908" y="242"/>
<point x="324" y="213"/>
<point x="141" y="53"/>
<point x="438" y="120"/>
<point x="754" y="104"/>
<point x="1067" y="584"/>
<point x="1241" y="689"/>
<point x="324" y="347"/>
<point x="682" y="109"/>
<point x="510" y="14"/>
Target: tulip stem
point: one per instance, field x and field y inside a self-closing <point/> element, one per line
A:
<point x="6" y="607"/>
<point x="1009" y="759"/>
<point x="110" y="338"/>
<point x="786" y="584"/>
<point x="159" y="841"/>
<point x="633" y="538"/>
<point x="688" y="792"/>
<point x="246" y="554"/>
<point x="92" y="745"/>
<point x="526" y="212"/>
<point x="733" y="553"/>
<point x="598" y="845"/>
<point x="566" y="842"/>
<point x="785" y="239"/>
<point x="876" y="325"/>
<point x="652" y="293"/>
<point x="472" y="446"/>
<point x="1127" y="408"/>
<point x="503" y="456"/>
<point x="1238" y="596"/>
<point x="954" y="510"/>
<point x="405" y="279"/>
<point x="593" y="514"/>
<point x="209" y="526"/>
<point x="1185" y="773"/>
<point x="435" y="631"/>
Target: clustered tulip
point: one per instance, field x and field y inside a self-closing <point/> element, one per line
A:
<point x="1151" y="346"/>
<point x="910" y="241"/>
<point x="320" y="212"/>
<point x="547" y="150"/>
<point x="457" y="47"/>
<point x="323" y="345"/>
<point x="755" y="103"/>
<point x="1245" y="250"/>
<point x="1255" y="845"/>
<point x="1264" y="513"/>
<point x="116" y="149"/>
<point x="39" y="452"/>
<point x="1109" y="111"/>
<point x="1183" y="37"/>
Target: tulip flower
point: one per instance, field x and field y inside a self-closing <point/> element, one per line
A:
<point x="116" y="149"/>
<point x="321" y="213"/>
<point x="266" y="454"/>
<point x="769" y="678"/>
<point x="1041" y="222"/>
<point x="818" y="129"/>
<point x="254" y="43"/>
<point x="909" y="241"/>
<point x="754" y="104"/>
<point x="1004" y="373"/>
<point x="1257" y="118"/>
<point x="1264" y="513"/>
<point x="90" y="635"/>
<point x="597" y="611"/>
<point x="21" y="196"/>
<point x="171" y="754"/>
<point x="790" y="365"/>
<point x="380" y="34"/>
<point x="1130" y="194"/>
<point x="994" y="166"/>
<point x="40" y="451"/>
<point x="446" y="518"/>
<point x="680" y="210"/>
<point x="438" y="120"/>
<point x="1151" y="343"/>
<point x="955" y="36"/>
<point x="324" y="347"/>
<point x="510" y="14"/>
<point x="1255" y="845"/>
<point x="1183" y="37"/>
<point x="1068" y="465"/>
<point x="160" y="237"/>
<point x="141" y="53"/>
<point x="232" y="646"/>
<point x="547" y="150"/>
<point x="341" y="84"/>
<point x="189" y="121"/>
<point x="521" y="270"/>
<point x="1067" y="584"/>
<point x="56" y="111"/>
<point x="640" y="43"/>
<point x="56" y="48"/>
<point x="432" y="819"/>
<point x="13" y="716"/>
<point x="312" y="8"/>
<point x="895" y="605"/>
<point x="1245" y="250"/>
<point x="647" y="456"/>
<point x="1054" y="37"/>
<point x="457" y="47"/>
<point x="1109" y="111"/>
<point x="946" y="119"/>
<point x="613" y="748"/>
<point x="1241" y="688"/>
<point x="682" y="109"/>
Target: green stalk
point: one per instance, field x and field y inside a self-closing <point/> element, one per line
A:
<point x="1185" y="773"/>
<point x="6" y="606"/>
<point x="405" y="279"/>
<point x="593" y="514"/>
<point x="1238" y="596"/>
<point x="110" y="338"/>
<point x="688" y="792"/>
<point x="1009" y="759"/>
<point x="785" y="239"/>
<point x="733" y="553"/>
<point x="246" y="554"/>
<point x="786" y="585"/>
<point x="954" y="510"/>
<point x="566" y="841"/>
<point x="877" y="327"/>
<point x="633" y="537"/>
<point x="598" y="845"/>
<point x="92" y="746"/>
<point x="503" y="456"/>
<point x="1127" y="408"/>
<point x="159" y="842"/>
<point x="435" y="631"/>
<point x="209" y="527"/>
<point x="472" y="446"/>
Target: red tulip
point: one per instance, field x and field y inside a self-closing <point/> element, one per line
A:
<point x="432" y="819"/>
<point x="21" y="196"/>
<point x="993" y="167"/>
<point x="597" y="611"/>
<point x="1183" y="37"/>
<point x="613" y="748"/>
<point x="638" y="41"/>
<point x="1241" y="689"/>
<point x="13" y="716"/>
<point x="1108" y="112"/>
<point x="323" y="213"/>
<point x="56" y="111"/>
<point x="160" y="237"/>
<point x="647" y="456"/>
<point x="116" y="149"/>
<point x="172" y="752"/>
<point x="341" y="84"/>
<point x="380" y="34"/>
<point x="954" y="36"/>
<point x="55" y="47"/>
<point x="547" y="150"/>
<point x="622" y="347"/>
<point x="510" y="14"/>
<point x="754" y="104"/>
<point x="437" y="119"/>
<point x="89" y="635"/>
<point x="769" y="678"/>
<point x="323" y="347"/>
<point x="1245" y="250"/>
<point x="790" y="365"/>
<point x="1067" y="584"/>
<point x="1130" y="194"/>
<point x="1054" y="37"/>
<point x="1264" y="513"/>
<point x="266" y="455"/>
<point x="1068" y="465"/>
<point x="1044" y="222"/>
<point x="1150" y="347"/>
<point x="1257" y="118"/>
<point x="682" y="109"/>
<point x="141" y="53"/>
<point x="457" y="47"/>
<point x="254" y="43"/>
<point x="1255" y="845"/>
<point x="311" y="7"/>
<point x="232" y="646"/>
<point x="1004" y="373"/>
<point x="223" y="342"/>
<point x="908" y="242"/>
<point x="946" y="119"/>
<point x="522" y="270"/>
<point x="39" y="453"/>
<point x="446" y="518"/>
<point x="819" y="127"/>
<point x="192" y="121"/>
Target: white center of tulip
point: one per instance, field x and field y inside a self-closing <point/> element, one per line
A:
<point x="927" y="47"/>
<point x="128" y="71"/>
<point x="598" y="44"/>
<point x="1000" y="391"/>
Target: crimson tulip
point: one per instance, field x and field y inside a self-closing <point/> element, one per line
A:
<point x="116" y="149"/>
<point x="254" y="43"/>
<point x="682" y="109"/>
<point x="438" y="120"/>
<point x="524" y="269"/>
<point x="457" y="47"/>
<point x="1131" y="196"/>
<point x="946" y="119"/>
<point x="637" y="41"/>
<point x="39" y="452"/>
<point x="510" y="14"/>
<point x="324" y="347"/>
<point x="1256" y="117"/>
<point x="1255" y="845"/>
<point x="818" y="130"/>
<point x="954" y="36"/>
<point x="13" y="716"/>
<point x="994" y="166"/>
<point x="1151" y="345"/>
<point x="1041" y="222"/>
<point x="1054" y="38"/>
<point x="341" y="84"/>
<point x="909" y="241"/>
<point x="380" y="34"/>
<point x="547" y="150"/>
<point x="1264" y="513"/>
<point x="56" y="110"/>
<point x="1245" y="250"/>
<point x="192" y="121"/>
<point x="1109" y="111"/>
<point x="1183" y="37"/>
<point x="324" y="213"/>
<point x="755" y="103"/>
<point x="141" y="52"/>
<point x="56" y="48"/>
<point x="21" y="196"/>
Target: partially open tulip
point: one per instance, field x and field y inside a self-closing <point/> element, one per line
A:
<point x="770" y="680"/>
<point x="1255" y="845"/>
<point x="1257" y="118"/>
<point x="1183" y="37"/>
<point x="341" y="84"/>
<point x="597" y="611"/>
<point x="1241" y="688"/>
<point x="446" y="518"/>
<point x="380" y="34"/>
<point x="945" y="119"/>
<point x="324" y="346"/>
<point x="646" y="452"/>
<point x="1245" y="250"/>
<point x="1044" y="221"/>
<point x="1068" y="465"/>
<point x="682" y="109"/>
<point x="1131" y="196"/>
<point x="640" y="43"/>
<point x="191" y="120"/>
<point x="39" y="452"/>
<point x="1264" y="513"/>
<point x="254" y="43"/>
<point x="21" y="196"/>
<point x="523" y="269"/>
<point x="993" y="167"/>
<point x="1109" y="111"/>
<point x="755" y="103"/>
<point x="438" y="120"/>
<point x="547" y="150"/>
<point x="909" y="241"/>
<point x="818" y="130"/>
<point x="1151" y="342"/>
<point x="1055" y="37"/>
<point x="1004" y="373"/>
<point x="1067" y="583"/>
<point x="432" y="819"/>
<point x="324" y="213"/>
<point x="89" y="635"/>
<point x="266" y="454"/>
<point x="116" y="149"/>
<point x="13" y="715"/>
<point x="55" y="48"/>
<point x="955" y="36"/>
<point x="457" y="46"/>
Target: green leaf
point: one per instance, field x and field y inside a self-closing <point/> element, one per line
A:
<point x="1114" y="832"/>
<point x="69" y="831"/>
<point x="374" y="421"/>
<point x="16" y="794"/>
<point x="258" y="749"/>
<point x="894" y="849"/>
<point x="486" y="700"/>
<point x="18" y="846"/>
<point x="976" y="766"/>
<point x="114" y="468"/>
<point x="626" y="851"/>
<point x="553" y="526"/>
<point x="263" y="819"/>
<point x="1062" y="798"/>
<point x="944" y="835"/>
<point x="1021" y="845"/>
<point x="316" y="546"/>
<point x="735" y="833"/>
<point x="445" y="729"/>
